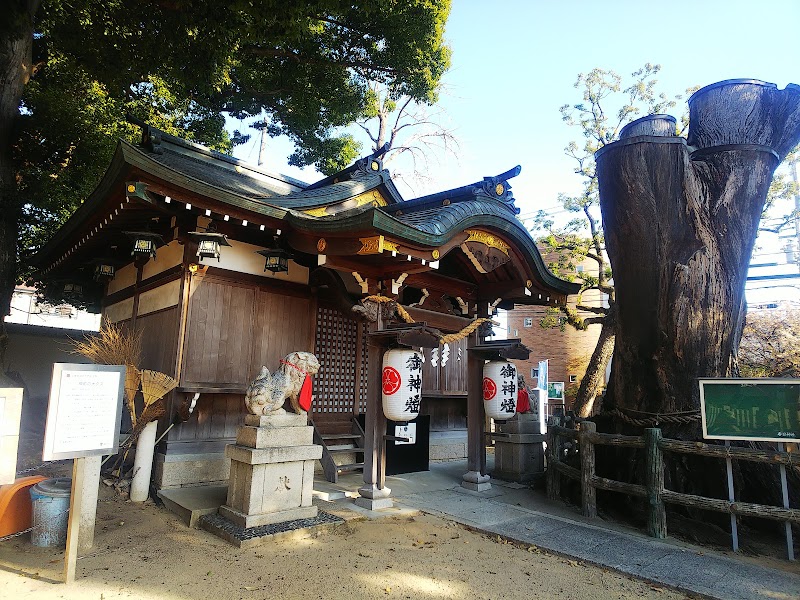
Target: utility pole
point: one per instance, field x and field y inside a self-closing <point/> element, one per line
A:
<point x="262" y="151"/>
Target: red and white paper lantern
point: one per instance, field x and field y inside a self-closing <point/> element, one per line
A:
<point x="401" y="384"/>
<point x="500" y="389"/>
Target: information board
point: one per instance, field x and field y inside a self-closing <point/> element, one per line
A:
<point x="766" y="410"/>
<point x="85" y="411"/>
<point x="555" y="390"/>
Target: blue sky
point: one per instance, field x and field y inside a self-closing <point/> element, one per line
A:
<point x="515" y="63"/>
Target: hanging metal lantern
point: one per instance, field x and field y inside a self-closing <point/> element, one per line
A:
<point x="104" y="272"/>
<point x="401" y="384"/>
<point x="208" y="243"/>
<point x="145" y="243"/>
<point x="72" y="291"/>
<point x="500" y="389"/>
<point x="277" y="259"/>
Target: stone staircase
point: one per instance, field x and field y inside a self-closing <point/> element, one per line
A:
<point x="341" y="452"/>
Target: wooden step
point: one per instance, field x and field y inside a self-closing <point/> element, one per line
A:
<point x="345" y="450"/>
<point x="343" y="436"/>
<point x="347" y="468"/>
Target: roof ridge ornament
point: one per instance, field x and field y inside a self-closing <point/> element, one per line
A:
<point x="370" y="164"/>
<point x="498" y="188"/>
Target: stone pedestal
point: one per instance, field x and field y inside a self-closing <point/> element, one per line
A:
<point x="372" y="497"/>
<point x="272" y="471"/>
<point x="476" y="482"/>
<point x="519" y="449"/>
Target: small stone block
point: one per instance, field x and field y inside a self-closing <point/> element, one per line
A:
<point x="279" y="420"/>
<point x="374" y="503"/>
<point x="265" y="437"/>
<point x="476" y="487"/>
<point x="248" y="521"/>
<point x="260" y="456"/>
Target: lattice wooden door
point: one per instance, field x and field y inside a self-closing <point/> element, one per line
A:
<point x="340" y="387"/>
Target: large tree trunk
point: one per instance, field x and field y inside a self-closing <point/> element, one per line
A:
<point x="15" y="70"/>
<point x="680" y="219"/>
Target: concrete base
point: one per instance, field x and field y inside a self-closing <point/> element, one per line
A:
<point x="180" y="470"/>
<point x="476" y="482"/>
<point x="519" y="454"/>
<point x="241" y="537"/>
<point x="248" y="521"/>
<point x="374" y="503"/>
<point x="90" y="491"/>
<point x="191" y="503"/>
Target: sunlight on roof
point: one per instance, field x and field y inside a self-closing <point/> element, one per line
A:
<point x="425" y="587"/>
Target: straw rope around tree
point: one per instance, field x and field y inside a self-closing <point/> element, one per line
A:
<point x="681" y="418"/>
<point x="445" y="339"/>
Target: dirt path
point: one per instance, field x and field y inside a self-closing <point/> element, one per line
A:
<point x="144" y="552"/>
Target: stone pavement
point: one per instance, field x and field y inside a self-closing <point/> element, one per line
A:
<point x="517" y="513"/>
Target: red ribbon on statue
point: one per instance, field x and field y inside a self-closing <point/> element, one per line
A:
<point x="304" y="399"/>
<point x="523" y="400"/>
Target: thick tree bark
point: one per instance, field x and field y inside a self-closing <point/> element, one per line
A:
<point x="681" y="217"/>
<point x="15" y="70"/>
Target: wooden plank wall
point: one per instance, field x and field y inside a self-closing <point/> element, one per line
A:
<point x="159" y="339"/>
<point x="233" y="329"/>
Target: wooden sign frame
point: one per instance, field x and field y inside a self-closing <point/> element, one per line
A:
<point x="781" y="435"/>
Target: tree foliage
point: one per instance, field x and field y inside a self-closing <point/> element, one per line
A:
<point x="70" y="71"/>
<point x="770" y="345"/>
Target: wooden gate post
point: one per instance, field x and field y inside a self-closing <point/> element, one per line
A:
<point x="588" y="493"/>
<point x="656" y="512"/>
<point x="553" y="456"/>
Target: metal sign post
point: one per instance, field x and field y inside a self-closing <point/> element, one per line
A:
<point x="785" y="494"/>
<point x="83" y="419"/>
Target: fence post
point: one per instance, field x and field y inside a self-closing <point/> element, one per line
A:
<point x="588" y="493"/>
<point x="553" y="456"/>
<point x="656" y="513"/>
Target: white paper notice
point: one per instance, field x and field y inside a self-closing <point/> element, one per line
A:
<point x="87" y="411"/>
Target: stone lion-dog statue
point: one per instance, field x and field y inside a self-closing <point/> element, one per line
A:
<point x="268" y="392"/>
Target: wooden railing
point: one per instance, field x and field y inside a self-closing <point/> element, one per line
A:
<point x="653" y="491"/>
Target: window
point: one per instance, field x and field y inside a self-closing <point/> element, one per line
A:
<point x="516" y="333"/>
<point x="535" y="373"/>
<point x="573" y="378"/>
<point x="528" y="322"/>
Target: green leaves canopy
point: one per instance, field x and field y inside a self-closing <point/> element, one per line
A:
<point x="181" y="64"/>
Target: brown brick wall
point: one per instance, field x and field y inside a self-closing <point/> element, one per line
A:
<point x="568" y="351"/>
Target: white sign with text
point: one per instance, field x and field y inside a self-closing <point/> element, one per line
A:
<point x="85" y="410"/>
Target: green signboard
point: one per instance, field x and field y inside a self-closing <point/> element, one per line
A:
<point x="765" y="410"/>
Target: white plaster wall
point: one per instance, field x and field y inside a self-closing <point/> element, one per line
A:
<point x="242" y="258"/>
<point x="166" y="257"/>
<point x="123" y="277"/>
<point x="161" y="297"/>
<point x="119" y="312"/>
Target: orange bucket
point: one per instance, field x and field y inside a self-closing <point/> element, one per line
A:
<point x="15" y="505"/>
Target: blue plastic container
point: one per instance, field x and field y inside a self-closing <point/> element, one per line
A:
<point x="50" y="512"/>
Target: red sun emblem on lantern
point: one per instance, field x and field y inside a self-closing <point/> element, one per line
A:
<point x="489" y="388"/>
<point x="391" y="380"/>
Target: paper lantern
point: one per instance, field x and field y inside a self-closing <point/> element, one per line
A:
<point x="500" y="389"/>
<point x="401" y="384"/>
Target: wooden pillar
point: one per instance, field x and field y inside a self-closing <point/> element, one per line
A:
<point x="374" y="494"/>
<point x="475" y="478"/>
<point x="135" y="310"/>
<point x="553" y="457"/>
<point x="656" y="513"/>
<point x="588" y="492"/>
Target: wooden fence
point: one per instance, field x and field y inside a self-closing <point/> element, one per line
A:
<point x="653" y="491"/>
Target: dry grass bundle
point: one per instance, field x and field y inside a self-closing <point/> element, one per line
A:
<point x="113" y="345"/>
<point x="155" y="385"/>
